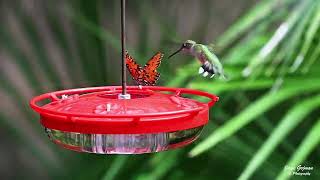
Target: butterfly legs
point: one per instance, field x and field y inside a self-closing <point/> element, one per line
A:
<point x="137" y="83"/>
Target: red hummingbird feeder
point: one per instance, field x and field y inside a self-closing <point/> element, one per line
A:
<point x="121" y="119"/>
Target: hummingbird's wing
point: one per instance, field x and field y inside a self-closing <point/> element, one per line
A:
<point x="151" y="75"/>
<point x="134" y="68"/>
<point x="214" y="48"/>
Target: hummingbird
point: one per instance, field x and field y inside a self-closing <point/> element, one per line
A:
<point x="210" y="62"/>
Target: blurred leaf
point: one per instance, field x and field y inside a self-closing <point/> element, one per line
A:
<point x="219" y="87"/>
<point x="314" y="56"/>
<point x="279" y="35"/>
<point x="95" y="30"/>
<point x="163" y="167"/>
<point x="115" y="167"/>
<point x="261" y="10"/>
<point x="308" y="144"/>
<point x="309" y="36"/>
<point x="251" y="112"/>
<point x="19" y="58"/>
<point x="294" y="116"/>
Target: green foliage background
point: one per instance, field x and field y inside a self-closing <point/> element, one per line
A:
<point x="267" y="118"/>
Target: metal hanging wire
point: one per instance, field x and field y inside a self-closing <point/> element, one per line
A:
<point x="123" y="48"/>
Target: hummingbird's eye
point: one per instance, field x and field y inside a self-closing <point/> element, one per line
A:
<point x="184" y="45"/>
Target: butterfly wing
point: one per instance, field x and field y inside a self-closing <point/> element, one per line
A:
<point x="150" y="73"/>
<point x="134" y="68"/>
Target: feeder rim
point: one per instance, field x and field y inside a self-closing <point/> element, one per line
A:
<point x="53" y="96"/>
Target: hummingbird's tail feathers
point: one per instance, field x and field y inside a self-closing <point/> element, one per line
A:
<point x="205" y="74"/>
<point x="206" y="71"/>
<point x="201" y="70"/>
<point x="208" y="67"/>
<point x="211" y="72"/>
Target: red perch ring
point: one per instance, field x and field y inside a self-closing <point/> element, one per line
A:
<point x="94" y="119"/>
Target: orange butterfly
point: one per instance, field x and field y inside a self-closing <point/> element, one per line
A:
<point x="146" y="75"/>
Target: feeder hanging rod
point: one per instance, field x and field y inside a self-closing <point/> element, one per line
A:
<point x="123" y="48"/>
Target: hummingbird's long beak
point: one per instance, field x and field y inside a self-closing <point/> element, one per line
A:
<point x="175" y="52"/>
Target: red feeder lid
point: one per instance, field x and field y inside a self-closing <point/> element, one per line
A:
<point x="98" y="110"/>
